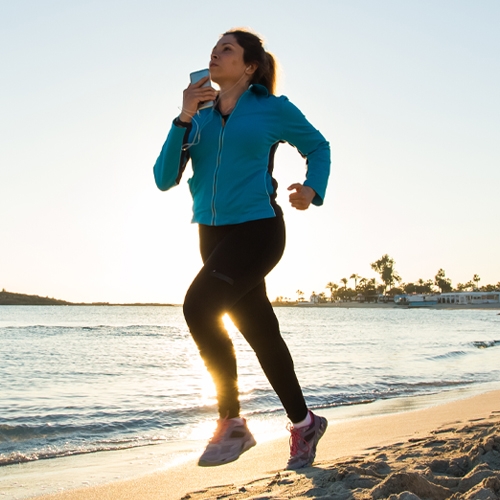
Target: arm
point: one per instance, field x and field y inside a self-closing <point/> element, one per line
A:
<point x="173" y="158"/>
<point x="172" y="161"/>
<point x="311" y="144"/>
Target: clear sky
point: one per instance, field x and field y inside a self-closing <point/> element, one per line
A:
<point x="407" y="93"/>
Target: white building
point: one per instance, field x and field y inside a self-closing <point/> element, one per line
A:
<point x="469" y="298"/>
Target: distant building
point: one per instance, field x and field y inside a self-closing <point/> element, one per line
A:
<point x="314" y="299"/>
<point x="469" y="298"/>
<point x="458" y="298"/>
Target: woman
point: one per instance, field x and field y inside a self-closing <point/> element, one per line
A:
<point x="242" y="234"/>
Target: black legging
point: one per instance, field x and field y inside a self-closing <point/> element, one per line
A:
<point x="236" y="259"/>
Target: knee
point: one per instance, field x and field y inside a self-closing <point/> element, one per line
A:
<point x="204" y="320"/>
<point x="206" y="299"/>
<point x="192" y="307"/>
<point x="201" y="307"/>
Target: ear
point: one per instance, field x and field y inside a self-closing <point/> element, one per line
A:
<point x="251" y="68"/>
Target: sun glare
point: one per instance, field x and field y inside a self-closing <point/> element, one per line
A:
<point x="229" y="325"/>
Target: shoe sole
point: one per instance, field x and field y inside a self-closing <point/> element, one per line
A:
<point x="246" y="446"/>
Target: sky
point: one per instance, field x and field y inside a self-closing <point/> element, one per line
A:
<point x="405" y="92"/>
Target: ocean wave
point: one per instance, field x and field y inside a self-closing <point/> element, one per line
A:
<point x="52" y="436"/>
<point x="67" y="433"/>
<point x="330" y="396"/>
<point x="18" y="457"/>
<point x="114" y="330"/>
<point x="448" y="355"/>
<point x="484" y="344"/>
<point x="64" y="434"/>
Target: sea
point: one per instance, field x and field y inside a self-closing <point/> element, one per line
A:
<point x="83" y="381"/>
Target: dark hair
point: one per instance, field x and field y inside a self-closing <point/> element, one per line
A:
<point x="254" y="52"/>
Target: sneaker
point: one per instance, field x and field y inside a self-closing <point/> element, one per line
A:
<point x="231" y="439"/>
<point x="303" y="442"/>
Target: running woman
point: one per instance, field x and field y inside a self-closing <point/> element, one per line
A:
<point x="242" y="234"/>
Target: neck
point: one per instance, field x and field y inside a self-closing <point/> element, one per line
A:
<point x="230" y="93"/>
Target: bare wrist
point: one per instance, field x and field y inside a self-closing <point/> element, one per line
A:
<point x="187" y="115"/>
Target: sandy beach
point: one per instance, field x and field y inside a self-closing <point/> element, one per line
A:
<point x="449" y="450"/>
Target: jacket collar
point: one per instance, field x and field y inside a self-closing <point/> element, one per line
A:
<point x="259" y="89"/>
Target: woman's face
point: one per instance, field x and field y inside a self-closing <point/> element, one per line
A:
<point x="226" y="62"/>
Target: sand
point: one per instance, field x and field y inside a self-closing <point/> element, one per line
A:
<point x="449" y="450"/>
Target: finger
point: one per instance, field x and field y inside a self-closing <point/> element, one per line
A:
<point x="199" y="91"/>
<point x="296" y="186"/>
<point x="199" y="83"/>
<point x="299" y="193"/>
<point x="207" y="92"/>
<point x="299" y="207"/>
<point x="192" y="97"/>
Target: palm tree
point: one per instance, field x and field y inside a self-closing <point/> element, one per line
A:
<point x="385" y="267"/>
<point x="424" y="286"/>
<point x="300" y="295"/>
<point x="442" y="282"/>
<point x="344" y="281"/>
<point x="355" y="277"/>
<point x="476" y="279"/>
<point x="333" y="288"/>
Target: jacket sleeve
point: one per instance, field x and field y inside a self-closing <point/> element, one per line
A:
<point x="172" y="161"/>
<point x="311" y="144"/>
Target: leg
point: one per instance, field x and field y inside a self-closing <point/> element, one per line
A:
<point x="236" y="260"/>
<point x="254" y="317"/>
<point x="204" y="307"/>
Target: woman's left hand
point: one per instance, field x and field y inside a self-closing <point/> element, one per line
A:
<point x="302" y="196"/>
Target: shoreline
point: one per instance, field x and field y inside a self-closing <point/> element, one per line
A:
<point x="353" y="430"/>
<point x="259" y="471"/>
<point x="377" y="305"/>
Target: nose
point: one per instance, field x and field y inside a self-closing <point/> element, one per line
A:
<point x="213" y="56"/>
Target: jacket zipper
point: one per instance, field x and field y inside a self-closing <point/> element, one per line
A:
<point x="216" y="172"/>
<point x="219" y="155"/>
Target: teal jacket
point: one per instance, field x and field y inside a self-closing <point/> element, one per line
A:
<point x="233" y="163"/>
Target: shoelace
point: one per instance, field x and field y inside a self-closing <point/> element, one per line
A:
<point x="295" y="440"/>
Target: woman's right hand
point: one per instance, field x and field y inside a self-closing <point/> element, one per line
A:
<point x="193" y="96"/>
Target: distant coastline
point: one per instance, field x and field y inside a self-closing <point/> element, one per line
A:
<point x="21" y="299"/>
